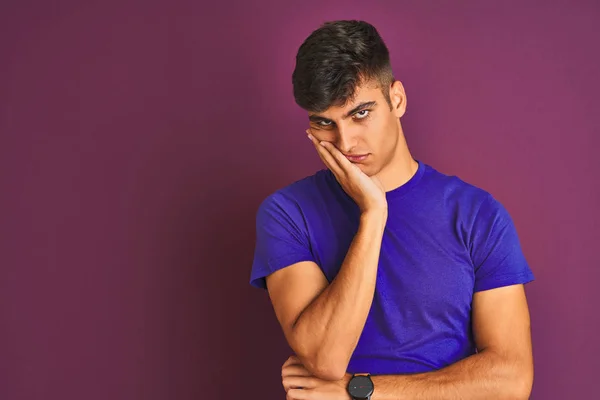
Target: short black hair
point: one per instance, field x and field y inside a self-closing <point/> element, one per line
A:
<point x="335" y="59"/>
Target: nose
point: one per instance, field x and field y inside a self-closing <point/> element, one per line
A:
<point x="346" y="139"/>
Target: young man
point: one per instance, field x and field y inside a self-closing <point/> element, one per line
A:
<point x="380" y="264"/>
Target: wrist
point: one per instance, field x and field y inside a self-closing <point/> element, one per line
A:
<point x="361" y="386"/>
<point x="374" y="216"/>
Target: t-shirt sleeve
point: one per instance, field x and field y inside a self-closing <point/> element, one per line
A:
<point x="496" y="251"/>
<point x="281" y="238"/>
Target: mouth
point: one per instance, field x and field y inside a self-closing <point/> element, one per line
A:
<point x="356" y="158"/>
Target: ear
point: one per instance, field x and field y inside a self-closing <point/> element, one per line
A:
<point x="398" y="98"/>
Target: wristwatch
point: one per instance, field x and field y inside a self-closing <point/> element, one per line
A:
<point x="361" y="387"/>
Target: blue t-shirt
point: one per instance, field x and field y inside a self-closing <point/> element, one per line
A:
<point x="444" y="240"/>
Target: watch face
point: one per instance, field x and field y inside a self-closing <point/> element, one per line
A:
<point x="360" y="387"/>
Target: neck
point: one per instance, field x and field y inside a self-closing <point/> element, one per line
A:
<point x="401" y="168"/>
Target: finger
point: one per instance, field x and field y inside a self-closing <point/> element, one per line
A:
<point x="295" y="370"/>
<point x="298" y="394"/>
<point x="287" y="362"/>
<point x="337" y="155"/>
<point x="298" y="382"/>
<point x="344" y="164"/>
<point x="326" y="156"/>
<point x="323" y="153"/>
<point x="292" y="360"/>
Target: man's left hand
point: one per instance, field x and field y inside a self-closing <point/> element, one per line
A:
<point x="300" y="384"/>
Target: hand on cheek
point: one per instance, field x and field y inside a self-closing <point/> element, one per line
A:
<point x="367" y="192"/>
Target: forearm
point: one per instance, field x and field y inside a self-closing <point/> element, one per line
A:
<point x="485" y="375"/>
<point x="328" y="330"/>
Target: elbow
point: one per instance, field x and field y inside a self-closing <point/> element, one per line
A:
<point x="522" y="381"/>
<point x="325" y="362"/>
<point x="512" y="374"/>
<point x="325" y="366"/>
<point x="521" y="394"/>
<point x="522" y="388"/>
<point x="327" y="372"/>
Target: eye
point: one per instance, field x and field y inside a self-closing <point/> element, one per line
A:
<point x="361" y="114"/>
<point x="324" y="123"/>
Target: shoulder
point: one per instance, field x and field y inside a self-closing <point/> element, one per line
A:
<point x="456" y="191"/>
<point x="291" y="199"/>
<point x="471" y="206"/>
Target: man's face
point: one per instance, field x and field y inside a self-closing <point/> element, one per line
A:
<point x="365" y="130"/>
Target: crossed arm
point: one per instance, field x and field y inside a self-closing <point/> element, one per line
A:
<point x="324" y="340"/>
<point x="502" y="368"/>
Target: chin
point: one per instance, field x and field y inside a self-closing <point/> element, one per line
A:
<point x="369" y="170"/>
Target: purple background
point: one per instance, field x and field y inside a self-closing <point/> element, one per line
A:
<point x="138" y="138"/>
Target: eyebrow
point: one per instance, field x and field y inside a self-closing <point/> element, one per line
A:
<point x="366" y="104"/>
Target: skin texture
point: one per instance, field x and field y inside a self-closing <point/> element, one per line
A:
<point x="322" y="322"/>
<point x="502" y="369"/>
<point x="376" y="131"/>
